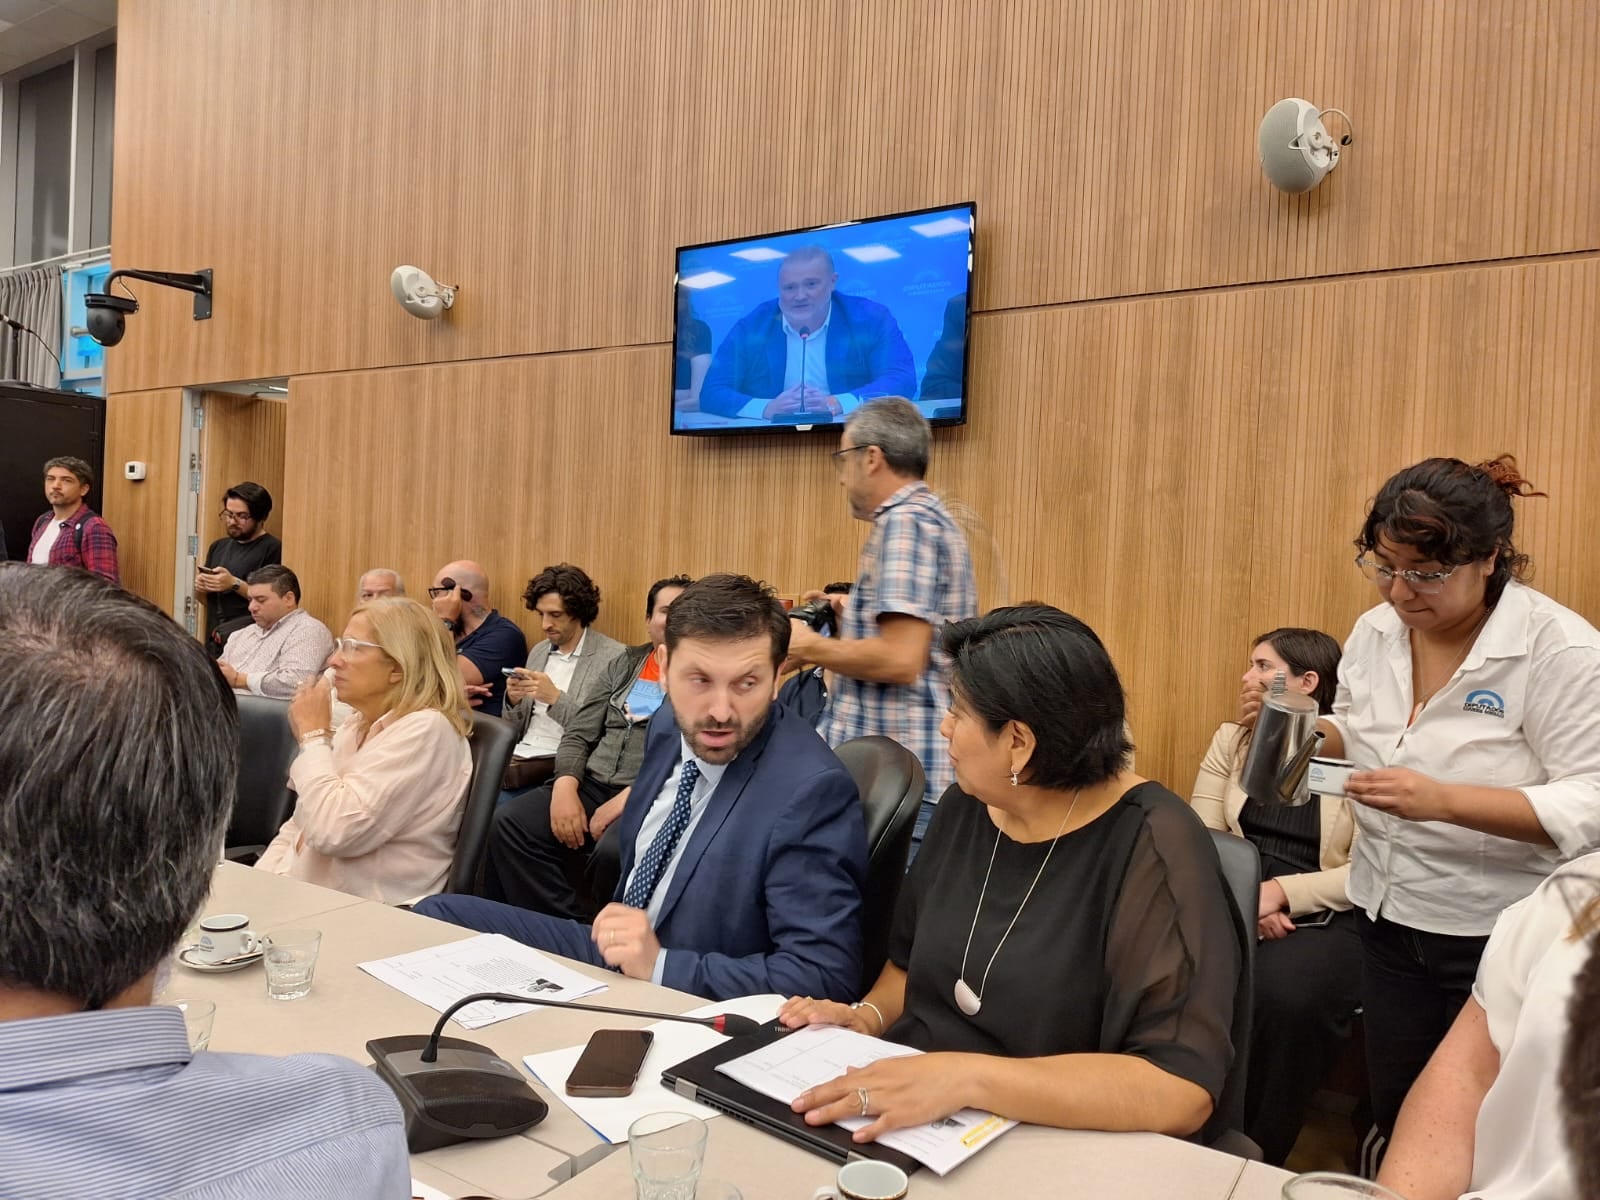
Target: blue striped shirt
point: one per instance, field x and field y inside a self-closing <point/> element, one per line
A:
<point x="112" y="1104"/>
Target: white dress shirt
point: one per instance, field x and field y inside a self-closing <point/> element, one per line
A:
<point x="1522" y="711"/>
<point x="710" y="776"/>
<point x="543" y="735"/>
<point x="275" y="661"/>
<point x="1524" y="985"/>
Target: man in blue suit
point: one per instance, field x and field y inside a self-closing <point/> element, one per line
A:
<point x="812" y="355"/>
<point x="743" y="841"/>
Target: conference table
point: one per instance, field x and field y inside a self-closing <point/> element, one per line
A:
<point x="564" y="1158"/>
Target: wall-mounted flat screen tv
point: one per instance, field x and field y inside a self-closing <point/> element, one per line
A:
<point x="796" y="330"/>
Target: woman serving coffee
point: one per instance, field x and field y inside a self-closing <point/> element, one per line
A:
<point x="1474" y="698"/>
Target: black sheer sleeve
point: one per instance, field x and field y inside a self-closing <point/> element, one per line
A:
<point x="1173" y="952"/>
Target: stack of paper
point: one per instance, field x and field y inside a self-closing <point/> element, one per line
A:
<point x="674" y="1042"/>
<point x="818" y="1054"/>
<point x="491" y="962"/>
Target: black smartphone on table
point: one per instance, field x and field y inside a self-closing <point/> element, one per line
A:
<point x="610" y="1063"/>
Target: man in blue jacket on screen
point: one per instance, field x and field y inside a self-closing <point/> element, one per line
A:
<point x="811" y="355"/>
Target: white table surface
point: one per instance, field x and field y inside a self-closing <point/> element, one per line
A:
<point x="347" y="1007"/>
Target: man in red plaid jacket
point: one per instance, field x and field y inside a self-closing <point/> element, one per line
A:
<point x="72" y="534"/>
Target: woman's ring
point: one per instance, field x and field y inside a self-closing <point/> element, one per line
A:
<point x="861" y="1094"/>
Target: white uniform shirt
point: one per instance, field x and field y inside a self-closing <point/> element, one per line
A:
<point x="805" y="358"/>
<point x="544" y="734"/>
<point x="1524" y="985"/>
<point x="1522" y="711"/>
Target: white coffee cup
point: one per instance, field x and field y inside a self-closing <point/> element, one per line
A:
<point x="866" y="1179"/>
<point x="225" y="936"/>
<point x="1327" y="776"/>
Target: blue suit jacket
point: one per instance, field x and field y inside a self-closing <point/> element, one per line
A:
<point x="767" y="895"/>
<point x="867" y="356"/>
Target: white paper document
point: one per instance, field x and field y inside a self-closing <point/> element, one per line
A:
<point x="490" y="962"/>
<point x="820" y="1053"/>
<point x="610" y="1116"/>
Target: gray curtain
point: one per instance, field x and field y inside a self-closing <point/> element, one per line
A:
<point x="32" y="296"/>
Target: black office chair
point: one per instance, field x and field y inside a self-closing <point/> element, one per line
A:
<point x="262" y="800"/>
<point x="1241" y="871"/>
<point x="492" y="743"/>
<point x="891" y="784"/>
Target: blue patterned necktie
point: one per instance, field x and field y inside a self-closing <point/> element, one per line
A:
<point x="648" y="872"/>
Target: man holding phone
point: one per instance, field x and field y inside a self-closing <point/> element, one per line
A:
<point x="232" y="559"/>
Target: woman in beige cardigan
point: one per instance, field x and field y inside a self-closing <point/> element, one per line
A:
<point x="1308" y="962"/>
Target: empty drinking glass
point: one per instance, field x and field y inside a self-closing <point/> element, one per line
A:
<point x="291" y="960"/>
<point x="197" y="1018"/>
<point x="667" y="1150"/>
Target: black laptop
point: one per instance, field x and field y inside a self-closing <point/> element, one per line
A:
<point x="698" y="1079"/>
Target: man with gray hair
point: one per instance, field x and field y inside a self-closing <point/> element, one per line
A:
<point x="378" y="583"/>
<point x="117" y="764"/>
<point x="914" y="576"/>
<point x="810" y="356"/>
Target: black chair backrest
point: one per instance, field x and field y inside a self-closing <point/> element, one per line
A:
<point x="1241" y="870"/>
<point x="891" y="784"/>
<point x="491" y="744"/>
<point x="262" y="800"/>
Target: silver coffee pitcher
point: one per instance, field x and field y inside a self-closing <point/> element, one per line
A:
<point x="1285" y="738"/>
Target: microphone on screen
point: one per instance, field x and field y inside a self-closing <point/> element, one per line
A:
<point x="452" y="1090"/>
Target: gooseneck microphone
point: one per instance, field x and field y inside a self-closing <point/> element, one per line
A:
<point x="16" y="347"/>
<point x="452" y="1090"/>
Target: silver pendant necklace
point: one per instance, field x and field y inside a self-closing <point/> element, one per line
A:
<point x="967" y="1000"/>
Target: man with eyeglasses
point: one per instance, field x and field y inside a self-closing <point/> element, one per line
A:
<point x="232" y="559"/>
<point x="915" y="575"/>
<point x="487" y="644"/>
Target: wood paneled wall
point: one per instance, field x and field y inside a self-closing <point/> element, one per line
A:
<point x="147" y="427"/>
<point x="1184" y="386"/>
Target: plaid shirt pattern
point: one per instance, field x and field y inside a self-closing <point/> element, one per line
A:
<point x="99" y="543"/>
<point x="915" y="563"/>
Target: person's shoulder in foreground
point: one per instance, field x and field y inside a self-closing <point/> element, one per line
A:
<point x="112" y="1103"/>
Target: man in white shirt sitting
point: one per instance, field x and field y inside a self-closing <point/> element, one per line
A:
<point x="283" y="645"/>
<point x="117" y="764"/>
<point x="541" y="697"/>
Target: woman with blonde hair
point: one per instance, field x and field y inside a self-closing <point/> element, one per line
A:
<point x="380" y="800"/>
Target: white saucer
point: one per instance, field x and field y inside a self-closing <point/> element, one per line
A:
<point x="189" y="958"/>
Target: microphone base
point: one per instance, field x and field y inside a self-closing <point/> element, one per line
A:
<point x="469" y="1093"/>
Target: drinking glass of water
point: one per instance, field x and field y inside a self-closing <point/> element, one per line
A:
<point x="291" y="960"/>
<point x="667" y="1150"/>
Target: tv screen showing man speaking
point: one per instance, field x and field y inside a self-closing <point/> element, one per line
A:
<point x="799" y="329"/>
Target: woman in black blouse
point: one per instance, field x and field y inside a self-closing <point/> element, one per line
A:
<point x="1064" y="948"/>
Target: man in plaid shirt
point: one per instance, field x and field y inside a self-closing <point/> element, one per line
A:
<point x="914" y="576"/>
<point x="72" y="534"/>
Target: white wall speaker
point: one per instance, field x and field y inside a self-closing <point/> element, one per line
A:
<point x="419" y="295"/>
<point x="1296" y="149"/>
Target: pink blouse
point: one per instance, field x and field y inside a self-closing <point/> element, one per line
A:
<point x="376" y="818"/>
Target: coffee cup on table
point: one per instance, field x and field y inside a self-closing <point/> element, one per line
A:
<point x="225" y="936"/>
<point x="866" y="1179"/>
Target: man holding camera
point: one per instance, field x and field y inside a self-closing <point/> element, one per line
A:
<point x="914" y="576"/>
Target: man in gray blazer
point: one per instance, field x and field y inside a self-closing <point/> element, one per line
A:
<point x="542" y="697"/>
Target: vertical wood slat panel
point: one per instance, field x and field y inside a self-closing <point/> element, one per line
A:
<point x="550" y="155"/>
<point x="146" y="427"/>
<point x="1199" y="482"/>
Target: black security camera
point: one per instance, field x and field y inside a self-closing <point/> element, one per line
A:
<point x="106" y="316"/>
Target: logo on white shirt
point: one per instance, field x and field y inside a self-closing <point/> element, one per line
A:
<point x="1485" y="702"/>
